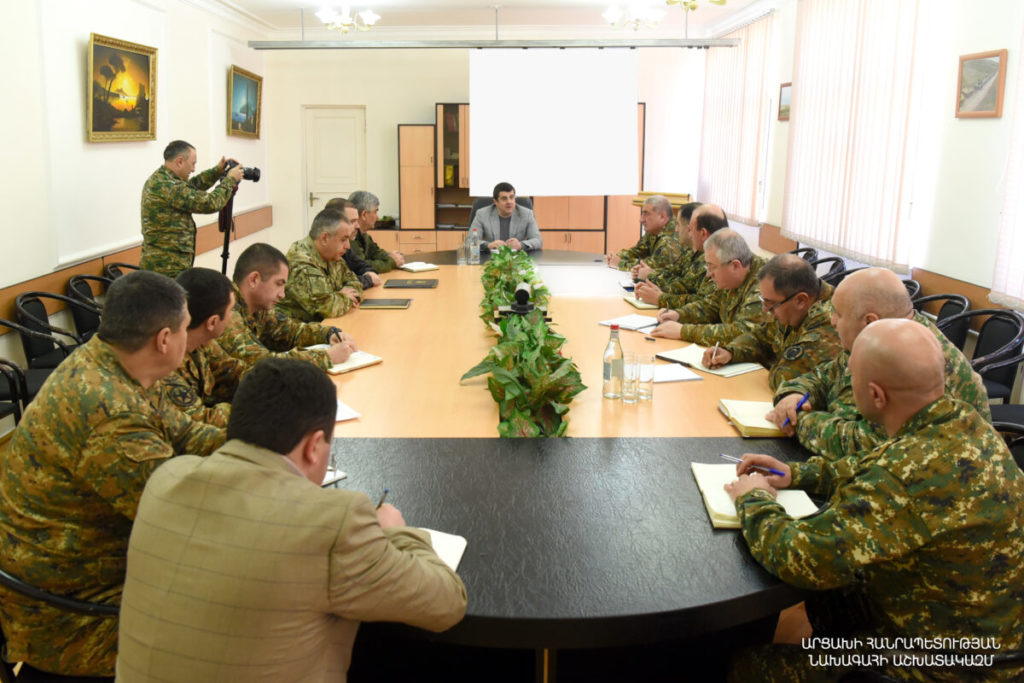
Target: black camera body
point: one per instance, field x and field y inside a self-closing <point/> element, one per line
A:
<point x="251" y="173"/>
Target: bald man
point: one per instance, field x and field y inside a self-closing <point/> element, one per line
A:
<point x="686" y="280"/>
<point x="924" y="539"/>
<point x="659" y="245"/>
<point x="829" y="423"/>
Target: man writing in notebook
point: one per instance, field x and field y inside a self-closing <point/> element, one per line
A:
<point x="507" y="224"/>
<point x="922" y="540"/>
<point x="268" y="579"/>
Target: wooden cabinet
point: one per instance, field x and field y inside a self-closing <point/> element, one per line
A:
<point x="449" y="239"/>
<point x="386" y="239"/>
<point x="417" y="241"/>
<point x="416" y="177"/>
<point x="570" y="213"/>
<point x="590" y="241"/>
<point x="452" y="121"/>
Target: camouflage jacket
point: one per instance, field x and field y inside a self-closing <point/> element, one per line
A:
<point x="252" y="335"/>
<point x="168" y="231"/>
<point x="364" y="247"/>
<point x="684" y="281"/>
<point x="204" y="385"/>
<point x="789" y="352"/>
<point x="929" y="531"/>
<point x="314" y="286"/>
<point x="835" y="428"/>
<point x="726" y="314"/>
<point x="658" y="251"/>
<point x="70" y="482"/>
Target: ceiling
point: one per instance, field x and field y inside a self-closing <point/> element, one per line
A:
<point x="573" y="17"/>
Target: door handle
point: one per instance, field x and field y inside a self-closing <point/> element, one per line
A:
<point x="311" y="199"/>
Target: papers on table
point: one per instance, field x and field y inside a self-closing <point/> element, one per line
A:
<point x="673" y="373"/>
<point x="711" y="480"/>
<point x="449" y="547"/>
<point x="333" y="475"/>
<point x="693" y="356"/>
<point x="633" y="321"/>
<point x="627" y="284"/>
<point x="344" y="412"/>
<point x="419" y="266"/>
<point x="358" y="359"/>
<point x="748" y="417"/>
<point x="637" y="303"/>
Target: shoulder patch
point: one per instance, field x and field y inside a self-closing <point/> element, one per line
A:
<point x="182" y="395"/>
<point x="793" y="352"/>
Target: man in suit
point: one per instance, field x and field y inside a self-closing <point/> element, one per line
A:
<point x="242" y="568"/>
<point x="506" y="224"/>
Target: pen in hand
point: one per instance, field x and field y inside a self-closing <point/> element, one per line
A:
<point x="382" y="497"/>
<point x="714" y="352"/>
<point x="799" y="405"/>
<point x="771" y="470"/>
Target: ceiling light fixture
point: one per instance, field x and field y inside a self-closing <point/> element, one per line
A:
<point x="634" y="16"/>
<point x="344" y="21"/>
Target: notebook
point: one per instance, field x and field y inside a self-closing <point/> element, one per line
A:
<point x="449" y="547"/>
<point x="358" y="359"/>
<point x="711" y="478"/>
<point x="633" y="321"/>
<point x="419" y="266"/>
<point x="384" y="303"/>
<point x="692" y="356"/>
<point x="332" y="476"/>
<point x="673" y="372"/>
<point x="344" y="413"/>
<point x="748" y="417"/>
<point x="637" y="303"/>
<point x="409" y="283"/>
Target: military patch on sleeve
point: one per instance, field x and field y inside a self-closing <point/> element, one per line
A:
<point x="793" y="352"/>
<point x="182" y="395"/>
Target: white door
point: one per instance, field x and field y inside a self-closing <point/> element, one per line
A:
<point x="335" y="154"/>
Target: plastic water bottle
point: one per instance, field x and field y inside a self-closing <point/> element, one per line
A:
<point x="613" y="366"/>
<point x="473" y="240"/>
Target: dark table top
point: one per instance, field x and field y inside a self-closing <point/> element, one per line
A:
<point x="576" y="542"/>
<point x="541" y="256"/>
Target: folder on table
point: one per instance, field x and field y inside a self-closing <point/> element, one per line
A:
<point x="358" y="359"/>
<point x="419" y="266"/>
<point x="692" y="356"/>
<point x="711" y="480"/>
<point x="748" y="417"/>
<point x="384" y="303"/>
<point x="409" y="283"/>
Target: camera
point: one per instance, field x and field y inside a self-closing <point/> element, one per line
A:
<point x="251" y="173"/>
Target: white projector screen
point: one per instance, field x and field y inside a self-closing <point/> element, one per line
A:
<point x="553" y="122"/>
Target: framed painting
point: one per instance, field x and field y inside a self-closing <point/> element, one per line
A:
<point x="785" y="92"/>
<point x="122" y="93"/>
<point x="245" y="101"/>
<point x="979" y="85"/>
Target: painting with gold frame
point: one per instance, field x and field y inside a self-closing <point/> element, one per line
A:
<point x="979" y="85"/>
<point x="245" y="100"/>
<point x="122" y="92"/>
<point x="785" y="94"/>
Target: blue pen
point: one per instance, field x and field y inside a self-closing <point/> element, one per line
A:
<point x="772" y="470"/>
<point x="382" y="497"/>
<point x="799" y="405"/>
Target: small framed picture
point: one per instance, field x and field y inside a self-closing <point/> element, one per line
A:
<point x="122" y="92"/>
<point x="245" y="97"/>
<point x="979" y="85"/>
<point x="785" y="91"/>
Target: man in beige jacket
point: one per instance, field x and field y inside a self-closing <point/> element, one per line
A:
<point x="242" y="568"/>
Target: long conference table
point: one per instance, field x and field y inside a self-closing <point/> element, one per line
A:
<point x="596" y="540"/>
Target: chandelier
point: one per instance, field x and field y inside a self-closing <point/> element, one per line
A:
<point x="344" y="21"/>
<point x="633" y="16"/>
<point x="690" y="5"/>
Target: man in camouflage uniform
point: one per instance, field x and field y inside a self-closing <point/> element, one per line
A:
<point x="204" y="385"/>
<point x="799" y="336"/>
<point x="733" y="309"/>
<point x="72" y="475"/>
<point x="658" y="247"/>
<point x="257" y="330"/>
<point x="685" y="280"/>
<point x="829" y="423"/>
<point x="367" y="207"/>
<point x="169" y="199"/>
<point x="320" y="285"/>
<point x="368" y="277"/>
<point x="924" y="538"/>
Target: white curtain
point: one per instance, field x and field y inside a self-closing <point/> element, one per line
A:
<point x="850" y="114"/>
<point x="735" y="121"/>
<point x="1008" y="278"/>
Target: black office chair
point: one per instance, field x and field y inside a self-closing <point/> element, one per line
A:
<point x="12" y="391"/>
<point x="116" y="270"/>
<point x="913" y="287"/>
<point x="838" y="265"/>
<point x="951" y="305"/>
<point x="834" y="277"/>
<point x="997" y="354"/>
<point x="481" y="202"/>
<point x="31" y="379"/>
<point x="29" y="674"/>
<point x="79" y="288"/>
<point x="32" y="313"/>
<point x="808" y="254"/>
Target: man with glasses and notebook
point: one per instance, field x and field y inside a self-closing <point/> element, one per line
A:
<point x="799" y="335"/>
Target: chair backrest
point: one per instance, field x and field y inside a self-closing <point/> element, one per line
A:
<point x="913" y="287"/>
<point x="116" y="270"/>
<point x="808" y="254"/>
<point x="834" y="277"/>
<point x="952" y="304"/>
<point x="31" y="311"/>
<point x="481" y="202"/>
<point x="79" y="288"/>
<point x="1000" y="337"/>
<point x="838" y="265"/>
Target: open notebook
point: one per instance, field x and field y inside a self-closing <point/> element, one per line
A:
<point x="692" y="356"/>
<point x="748" y="417"/>
<point x="419" y="266"/>
<point x="637" y="303"/>
<point x="449" y="547"/>
<point x="358" y="359"/>
<point x="711" y="479"/>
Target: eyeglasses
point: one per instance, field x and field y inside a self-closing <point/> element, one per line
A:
<point x="770" y="306"/>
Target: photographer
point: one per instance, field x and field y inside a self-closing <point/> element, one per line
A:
<point x="169" y="199"/>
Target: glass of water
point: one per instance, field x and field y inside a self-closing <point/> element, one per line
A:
<point x="462" y="254"/>
<point x="630" y="377"/>
<point x="645" y="381"/>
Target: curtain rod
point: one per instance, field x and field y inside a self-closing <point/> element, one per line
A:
<point x="487" y="44"/>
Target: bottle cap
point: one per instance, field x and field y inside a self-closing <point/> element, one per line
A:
<point x="615" y="326"/>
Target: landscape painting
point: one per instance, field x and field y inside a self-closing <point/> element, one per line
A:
<point x="245" y="93"/>
<point x="122" y="92"/>
<point x="979" y="92"/>
<point x="785" y="90"/>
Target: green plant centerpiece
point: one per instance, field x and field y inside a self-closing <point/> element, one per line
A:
<point x="530" y="380"/>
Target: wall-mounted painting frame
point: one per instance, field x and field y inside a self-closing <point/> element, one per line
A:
<point x="979" y="85"/>
<point x="122" y="90"/>
<point x="785" y="94"/>
<point x="244" y="87"/>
